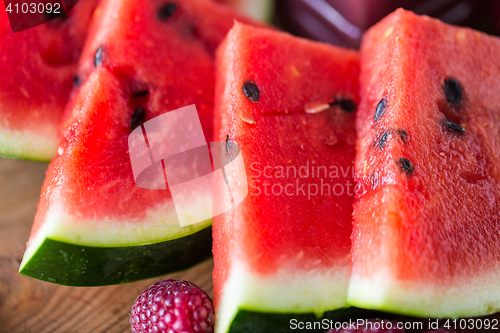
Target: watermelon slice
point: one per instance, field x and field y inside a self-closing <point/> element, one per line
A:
<point x="94" y="225"/>
<point x="283" y="253"/>
<point x="38" y="67"/>
<point x="426" y="240"/>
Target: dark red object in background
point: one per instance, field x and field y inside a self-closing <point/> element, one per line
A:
<point x="342" y="22"/>
<point x="26" y="14"/>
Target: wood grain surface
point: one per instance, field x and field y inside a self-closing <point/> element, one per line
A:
<point x="28" y="305"/>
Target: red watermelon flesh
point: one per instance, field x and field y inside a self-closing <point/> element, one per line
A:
<point x="158" y="56"/>
<point x="426" y="238"/>
<point x="289" y="104"/>
<point x="38" y="67"/>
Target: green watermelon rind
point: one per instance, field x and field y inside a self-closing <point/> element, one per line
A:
<point x="66" y="249"/>
<point x="251" y="320"/>
<point x="69" y="264"/>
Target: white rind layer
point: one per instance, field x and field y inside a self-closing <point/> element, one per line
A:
<point x="160" y="225"/>
<point x="465" y="298"/>
<point x="287" y="291"/>
<point x="28" y="144"/>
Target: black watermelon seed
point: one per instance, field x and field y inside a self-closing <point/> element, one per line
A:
<point x="403" y="135"/>
<point x="383" y="139"/>
<point x="228" y="144"/>
<point x="251" y="91"/>
<point x="137" y="117"/>
<point x="454" y="127"/>
<point x="76" y="81"/>
<point x="347" y="105"/>
<point x="98" y="56"/>
<point x="140" y="93"/>
<point x="406" y="166"/>
<point x="453" y="91"/>
<point x="165" y="11"/>
<point x="382" y="105"/>
<point x="51" y="16"/>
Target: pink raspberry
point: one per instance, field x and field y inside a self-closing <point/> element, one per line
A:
<point x="373" y="326"/>
<point x="172" y="306"/>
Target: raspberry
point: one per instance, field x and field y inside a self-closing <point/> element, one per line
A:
<point x="372" y="326"/>
<point x="172" y="306"/>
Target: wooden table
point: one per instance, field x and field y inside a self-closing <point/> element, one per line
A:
<point x="28" y="305"/>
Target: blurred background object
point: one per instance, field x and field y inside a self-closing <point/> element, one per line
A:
<point x="261" y="10"/>
<point x="342" y="22"/>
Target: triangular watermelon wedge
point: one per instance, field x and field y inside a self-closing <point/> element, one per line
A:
<point x="94" y="225"/>
<point x="426" y="237"/>
<point x="38" y="67"/>
<point x="283" y="254"/>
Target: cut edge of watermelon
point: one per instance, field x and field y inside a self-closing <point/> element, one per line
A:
<point x="28" y="145"/>
<point x="314" y="291"/>
<point x="386" y="293"/>
<point x="85" y="266"/>
<point x="60" y="228"/>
